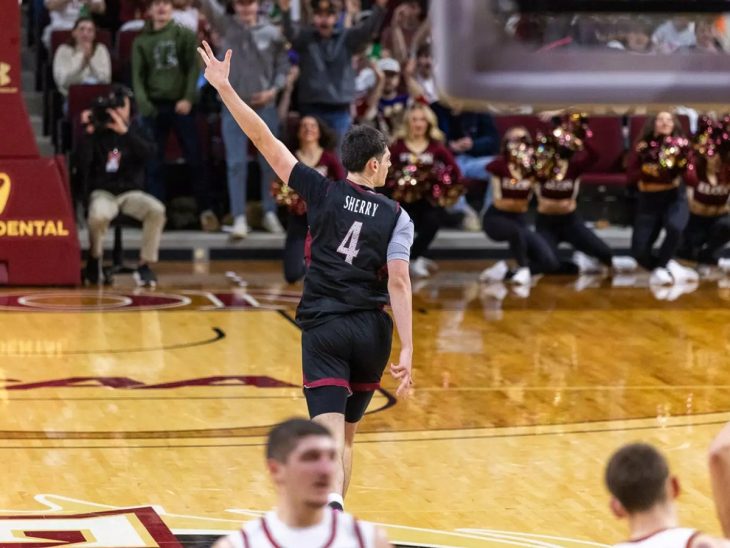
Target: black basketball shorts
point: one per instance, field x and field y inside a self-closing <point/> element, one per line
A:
<point x="350" y="351"/>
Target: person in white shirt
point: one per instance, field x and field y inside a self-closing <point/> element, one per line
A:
<point x="64" y="14"/>
<point x="83" y="60"/>
<point x="643" y="491"/>
<point x="676" y="33"/>
<point x="300" y="458"/>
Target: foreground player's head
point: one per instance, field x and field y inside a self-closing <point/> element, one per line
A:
<point x="637" y="476"/>
<point x="365" y="153"/>
<point x="300" y="456"/>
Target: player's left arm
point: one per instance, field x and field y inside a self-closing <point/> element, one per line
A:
<point x="280" y="158"/>
<point x="399" y="289"/>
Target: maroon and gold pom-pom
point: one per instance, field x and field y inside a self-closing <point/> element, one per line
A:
<point x="409" y="184"/>
<point x="285" y="196"/>
<point x="445" y="189"/>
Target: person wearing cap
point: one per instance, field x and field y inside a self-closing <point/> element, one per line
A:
<point x="388" y="105"/>
<point x="327" y="80"/>
<point x="258" y="72"/>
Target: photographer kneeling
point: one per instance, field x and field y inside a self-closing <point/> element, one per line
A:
<point x="112" y="157"/>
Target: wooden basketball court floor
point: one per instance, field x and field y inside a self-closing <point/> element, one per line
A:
<point x="136" y="418"/>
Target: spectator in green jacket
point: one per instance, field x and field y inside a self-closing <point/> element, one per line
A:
<point x="165" y="72"/>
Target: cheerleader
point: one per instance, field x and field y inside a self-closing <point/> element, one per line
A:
<point x="560" y="159"/>
<point x="505" y="219"/>
<point x="657" y="166"/>
<point x="425" y="178"/>
<point x="708" y="191"/>
<point x="315" y="145"/>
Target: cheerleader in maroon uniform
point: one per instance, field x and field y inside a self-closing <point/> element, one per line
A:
<point x="424" y="179"/>
<point x="708" y="192"/>
<point x="561" y="157"/>
<point x="657" y="166"/>
<point x="315" y="145"/>
<point x="505" y="220"/>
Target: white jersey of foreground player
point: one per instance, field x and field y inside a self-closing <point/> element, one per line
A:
<point x="675" y="537"/>
<point x="336" y="530"/>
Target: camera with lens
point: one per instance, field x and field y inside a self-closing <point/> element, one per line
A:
<point x="99" y="116"/>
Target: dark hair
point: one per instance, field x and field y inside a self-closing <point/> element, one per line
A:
<point x="423" y="50"/>
<point x="327" y="136"/>
<point x="359" y="145"/>
<point x="84" y="18"/>
<point x="285" y="436"/>
<point x="636" y="476"/>
<point x="647" y="131"/>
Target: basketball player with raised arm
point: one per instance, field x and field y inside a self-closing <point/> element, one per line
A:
<point x="358" y="263"/>
<point x="300" y="457"/>
<point x="643" y="491"/>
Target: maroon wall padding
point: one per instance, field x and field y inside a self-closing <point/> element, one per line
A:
<point x="39" y="244"/>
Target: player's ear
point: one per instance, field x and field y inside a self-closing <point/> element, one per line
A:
<point x="275" y="469"/>
<point x="617" y="508"/>
<point x="373" y="163"/>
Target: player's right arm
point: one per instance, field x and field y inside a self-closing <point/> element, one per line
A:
<point x="720" y="476"/>
<point x="279" y="157"/>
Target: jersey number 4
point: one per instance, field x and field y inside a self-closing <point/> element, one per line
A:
<point x="348" y="247"/>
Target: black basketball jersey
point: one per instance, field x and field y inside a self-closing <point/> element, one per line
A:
<point x="351" y="227"/>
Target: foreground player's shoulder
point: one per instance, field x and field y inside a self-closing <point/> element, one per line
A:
<point x="367" y="534"/>
<point x="701" y="540"/>
<point x="246" y="537"/>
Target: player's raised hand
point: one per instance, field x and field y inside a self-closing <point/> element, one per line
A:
<point x="216" y="72"/>
<point x="403" y="372"/>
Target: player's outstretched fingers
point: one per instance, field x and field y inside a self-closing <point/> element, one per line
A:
<point x="208" y="50"/>
<point x="204" y="56"/>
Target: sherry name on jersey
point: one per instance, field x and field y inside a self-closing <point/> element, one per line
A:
<point x="363" y="207"/>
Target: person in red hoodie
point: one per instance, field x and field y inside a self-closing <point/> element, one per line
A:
<point x="315" y="148"/>
<point x="657" y="166"/>
<point x="421" y="163"/>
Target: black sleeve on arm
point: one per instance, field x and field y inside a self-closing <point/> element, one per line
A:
<point x="309" y="183"/>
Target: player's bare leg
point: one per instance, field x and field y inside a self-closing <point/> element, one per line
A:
<point x="335" y="423"/>
<point x="350" y="429"/>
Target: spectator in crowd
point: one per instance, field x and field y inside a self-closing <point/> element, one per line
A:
<point x="706" y="37"/>
<point x="82" y="60"/>
<point x="314" y="148"/>
<point x="165" y="74"/>
<point x="678" y="32"/>
<point x="327" y="80"/>
<point x="474" y="140"/>
<point x="406" y="30"/>
<point x="419" y="152"/>
<point x="388" y="104"/>
<point x="65" y="13"/>
<point x="185" y="14"/>
<point x="419" y="75"/>
<point x="259" y="72"/>
<point x="635" y="37"/>
<point x="112" y="156"/>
